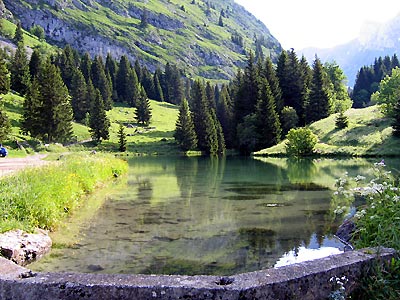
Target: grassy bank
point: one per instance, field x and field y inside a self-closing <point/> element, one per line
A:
<point x="42" y="197"/>
<point x="368" y="134"/>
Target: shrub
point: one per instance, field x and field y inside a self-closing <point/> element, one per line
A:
<point x="342" y="121"/>
<point x="300" y="142"/>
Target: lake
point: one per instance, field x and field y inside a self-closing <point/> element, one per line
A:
<point x="220" y="216"/>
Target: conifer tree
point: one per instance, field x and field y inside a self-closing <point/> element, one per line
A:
<point x="148" y="83"/>
<point x="203" y="122"/>
<point x="18" y="35"/>
<point x="4" y="75"/>
<point x="210" y="96"/>
<point x="132" y="92"/>
<point x="100" y="81"/>
<point x="143" y="109"/>
<point x="124" y="81"/>
<point x="185" y="134"/>
<point x="220" y="21"/>
<point x="270" y="74"/>
<point x="86" y="66"/>
<point x="122" y="138"/>
<point x="31" y="118"/>
<point x="319" y="102"/>
<point x="5" y="126"/>
<point x="159" y="95"/>
<point x="225" y="116"/>
<point x="79" y="96"/>
<point x="66" y="63"/>
<point x="111" y="68"/>
<point x="20" y="76"/>
<point x="99" y="122"/>
<point x="268" y="126"/>
<point x="47" y="107"/>
<point x="35" y="63"/>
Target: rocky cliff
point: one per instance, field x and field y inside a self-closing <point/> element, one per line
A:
<point x="194" y="34"/>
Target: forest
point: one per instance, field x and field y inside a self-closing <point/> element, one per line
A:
<point x="253" y="111"/>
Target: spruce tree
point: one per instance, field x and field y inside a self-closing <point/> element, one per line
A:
<point x="268" y="126"/>
<point x="18" y="35"/>
<point x="121" y="83"/>
<point x="31" y="122"/>
<point x="56" y="111"/>
<point x="20" y="75"/>
<point x="4" y="75"/>
<point x="122" y="138"/>
<point x="319" y="102"/>
<point x="5" y="126"/>
<point x="342" y="121"/>
<point x="66" y="63"/>
<point x="143" y="109"/>
<point x="159" y="95"/>
<point x="185" y="134"/>
<point x="225" y="116"/>
<point x="270" y="74"/>
<point x="99" y="122"/>
<point x="203" y="122"/>
<point x="100" y="81"/>
<point x="79" y="97"/>
<point x="148" y="83"/>
<point x="86" y="66"/>
<point x="35" y="63"/>
<point x="132" y="92"/>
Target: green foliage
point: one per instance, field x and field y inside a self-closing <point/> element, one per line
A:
<point x="341" y="100"/>
<point x="4" y="75"/>
<point x="143" y="109"/>
<point x="99" y="122"/>
<point x="19" y="69"/>
<point x="247" y="134"/>
<point x="342" y="121"/>
<point x="301" y="142"/>
<point x="396" y="121"/>
<point x="185" y="134"/>
<point x="80" y="101"/>
<point x="18" y="35"/>
<point x="289" y="119"/>
<point x="122" y="138"/>
<point x="5" y="125"/>
<point x="37" y="31"/>
<point x="26" y="202"/>
<point x="389" y="93"/>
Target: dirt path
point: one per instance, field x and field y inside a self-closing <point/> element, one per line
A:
<point x="10" y="165"/>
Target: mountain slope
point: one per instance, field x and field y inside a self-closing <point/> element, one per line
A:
<point x="375" y="40"/>
<point x="184" y="32"/>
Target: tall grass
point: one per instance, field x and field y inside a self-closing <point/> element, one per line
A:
<point x="42" y="197"/>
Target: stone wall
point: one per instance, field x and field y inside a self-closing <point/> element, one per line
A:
<point x="308" y="280"/>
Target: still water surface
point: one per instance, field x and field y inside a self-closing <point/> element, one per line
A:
<point x="209" y="216"/>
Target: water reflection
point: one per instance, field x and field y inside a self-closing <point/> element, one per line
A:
<point x="208" y="216"/>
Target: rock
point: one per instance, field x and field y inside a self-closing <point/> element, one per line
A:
<point x="346" y="230"/>
<point x="24" y="248"/>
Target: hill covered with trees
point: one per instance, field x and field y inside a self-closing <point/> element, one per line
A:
<point x="203" y="38"/>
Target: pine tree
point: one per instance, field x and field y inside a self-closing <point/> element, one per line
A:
<point x="143" y="109"/>
<point x="100" y="81"/>
<point x="210" y="96"/>
<point x="225" y="116"/>
<point x="148" y="83"/>
<point x="47" y="108"/>
<point x="4" y="75"/>
<point x="185" y="134"/>
<point x="5" y="126"/>
<point x="35" y="63"/>
<point x="319" y="103"/>
<point x="31" y="118"/>
<point x="268" y="126"/>
<point x="122" y="138"/>
<point x="124" y="81"/>
<point x="396" y="122"/>
<point x="132" y="92"/>
<point x="18" y="35"/>
<point x="20" y="76"/>
<point x="159" y="95"/>
<point x="66" y="63"/>
<point x="99" y="122"/>
<point x="270" y="74"/>
<point x="203" y="122"/>
<point x="86" y="66"/>
<point x="79" y="96"/>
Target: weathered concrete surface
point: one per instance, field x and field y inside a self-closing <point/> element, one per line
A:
<point x="24" y="248"/>
<point x="308" y="280"/>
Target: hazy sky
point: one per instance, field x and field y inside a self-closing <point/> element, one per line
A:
<point x="303" y="23"/>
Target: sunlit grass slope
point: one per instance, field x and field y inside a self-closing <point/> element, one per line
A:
<point x="368" y="134"/>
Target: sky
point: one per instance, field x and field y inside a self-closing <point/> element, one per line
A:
<point x="319" y="23"/>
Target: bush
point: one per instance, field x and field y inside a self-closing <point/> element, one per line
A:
<point x="300" y="142"/>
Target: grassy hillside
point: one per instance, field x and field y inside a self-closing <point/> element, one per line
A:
<point x="158" y="138"/>
<point x="368" y="134"/>
<point x="183" y="32"/>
